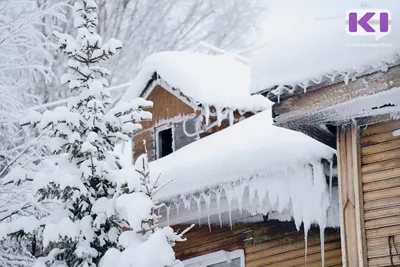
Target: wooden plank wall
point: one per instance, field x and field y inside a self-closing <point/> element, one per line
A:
<point x="165" y="107"/>
<point x="269" y="243"/>
<point x="380" y="171"/>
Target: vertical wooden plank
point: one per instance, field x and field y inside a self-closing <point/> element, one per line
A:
<point x="350" y="166"/>
<point x="351" y="197"/>
<point x="341" y="135"/>
<point x="358" y="194"/>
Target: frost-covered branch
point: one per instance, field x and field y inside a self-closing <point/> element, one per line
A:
<point x="25" y="61"/>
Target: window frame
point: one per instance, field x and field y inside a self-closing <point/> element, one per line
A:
<point x="157" y="131"/>
<point x="215" y="257"/>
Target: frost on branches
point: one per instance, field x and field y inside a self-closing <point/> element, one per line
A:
<point x="84" y="176"/>
<point x="25" y="62"/>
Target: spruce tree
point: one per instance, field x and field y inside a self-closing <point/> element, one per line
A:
<point x="82" y="177"/>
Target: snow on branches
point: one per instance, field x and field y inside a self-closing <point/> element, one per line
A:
<point x="25" y="62"/>
<point x="100" y="215"/>
<point x="142" y="235"/>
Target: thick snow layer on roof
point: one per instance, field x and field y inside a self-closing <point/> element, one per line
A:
<point x="306" y="40"/>
<point x="220" y="81"/>
<point x="249" y="148"/>
<point x="252" y="167"/>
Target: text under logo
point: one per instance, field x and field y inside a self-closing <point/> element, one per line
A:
<point x="369" y="22"/>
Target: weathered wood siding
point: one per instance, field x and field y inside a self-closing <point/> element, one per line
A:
<point x="270" y="243"/>
<point x="166" y="106"/>
<point x="380" y="172"/>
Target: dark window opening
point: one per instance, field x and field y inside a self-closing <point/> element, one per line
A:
<point x="165" y="143"/>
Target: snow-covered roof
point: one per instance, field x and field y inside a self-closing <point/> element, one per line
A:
<point x="220" y="81"/>
<point x="311" y="45"/>
<point x="252" y="166"/>
<point x="249" y="148"/>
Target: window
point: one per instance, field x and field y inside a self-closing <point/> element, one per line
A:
<point x="218" y="259"/>
<point x="165" y="142"/>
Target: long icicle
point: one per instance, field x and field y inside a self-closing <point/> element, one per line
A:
<point x="218" y="196"/>
<point x="306" y="228"/>
<point x="168" y="207"/>
<point x="177" y="204"/>
<point x="330" y="180"/>
<point x="207" y="200"/>
<point x="198" y="201"/>
<point x="322" y="242"/>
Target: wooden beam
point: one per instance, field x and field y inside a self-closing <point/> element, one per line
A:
<point x="316" y="132"/>
<point x="351" y="206"/>
<point x="307" y="107"/>
<point x="359" y="198"/>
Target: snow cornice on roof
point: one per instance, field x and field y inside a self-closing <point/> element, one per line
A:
<point x="203" y="80"/>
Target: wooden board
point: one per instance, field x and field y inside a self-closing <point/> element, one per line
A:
<point x="381" y="166"/>
<point x="269" y="243"/>
<point x="380" y="153"/>
<point x="351" y="197"/>
<point x="165" y="106"/>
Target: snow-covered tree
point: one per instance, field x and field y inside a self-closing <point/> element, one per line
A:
<point x="97" y="197"/>
<point x="142" y="235"/>
<point x="25" y="61"/>
<point x="149" y="26"/>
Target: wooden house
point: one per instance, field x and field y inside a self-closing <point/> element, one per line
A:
<point x="260" y="195"/>
<point x="343" y="90"/>
<point x="361" y="120"/>
<point x="183" y="112"/>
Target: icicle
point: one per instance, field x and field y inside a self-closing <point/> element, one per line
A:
<point x="322" y="242"/>
<point x="238" y="193"/>
<point x="198" y="202"/>
<point x="330" y="180"/>
<point x="306" y="228"/>
<point x="231" y="118"/>
<point x="207" y="200"/>
<point x="346" y="79"/>
<point x="158" y="211"/>
<point x="206" y="114"/>
<point x="218" y="196"/>
<point x="252" y="192"/>
<point x="229" y="198"/>
<point x="177" y="204"/>
<point x="168" y="207"/>
<point x="219" y="115"/>
<point x="186" y="202"/>
<point x="230" y="215"/>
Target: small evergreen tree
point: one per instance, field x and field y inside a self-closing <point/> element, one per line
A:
<point x="83" y="177"/>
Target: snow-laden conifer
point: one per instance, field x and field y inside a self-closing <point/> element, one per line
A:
<point x="84" y="174"/>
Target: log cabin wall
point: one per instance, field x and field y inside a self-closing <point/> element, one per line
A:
<point x="380" y="172"/>
<point x="271" y="243"/>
